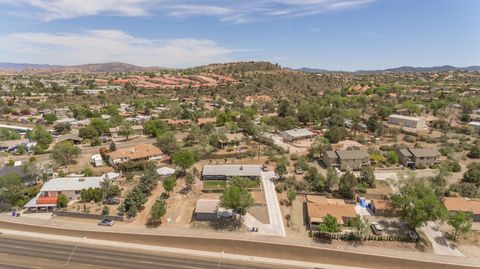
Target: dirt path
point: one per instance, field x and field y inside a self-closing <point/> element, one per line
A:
<point x="142" y="217"/>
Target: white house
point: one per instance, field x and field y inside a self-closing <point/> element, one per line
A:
<point x="296" y="134"/>
<point x="68" y="186"/>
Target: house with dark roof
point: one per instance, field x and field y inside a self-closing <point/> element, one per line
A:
<point x="346" y="159"/>
<point x="418" y="157"/>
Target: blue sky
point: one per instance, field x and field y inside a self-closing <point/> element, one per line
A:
<point x="330" y="34"/>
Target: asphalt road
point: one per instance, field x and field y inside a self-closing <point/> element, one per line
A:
<point x="20" y="252"/>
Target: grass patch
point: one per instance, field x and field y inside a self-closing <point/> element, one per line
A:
<point x="214" y="184"/>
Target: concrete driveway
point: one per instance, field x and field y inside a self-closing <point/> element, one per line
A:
<point x="441" y="244"/>
<point x="276" y="220"/>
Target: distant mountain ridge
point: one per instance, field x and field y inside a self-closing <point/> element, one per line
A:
<point x="23" y="66"/>
<point x="405" y="69"/>
<point x="111" y="67"/>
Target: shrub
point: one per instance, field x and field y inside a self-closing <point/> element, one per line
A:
<point x="105" y="210"/>
<point x="62" y="201"/>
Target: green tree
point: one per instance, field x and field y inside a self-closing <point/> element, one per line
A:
<point x="473" y="174"/>
<point x="50" y="118"/>
<point x="155" y="127"/>
<point x="281" y="169"/>
<point x="418" y="203"/>
<point x="367" y="176"/>
<point x="332" y="178"/>
<point x="189" y="179"/>
<point x="100" y="125"/>
<point x="158" y="211"/>
<point x="347" y="185"/>
<point x="316" y="181"/>
<point x="329" y="225"/>
<point x="461" y="223"/>
<point x="12" y="187"/>
<point x="126" y="130"/>
<point x="65" y="153"/>
<point x="236" y="198"/>
<point x="336" y="134"/>
<point x="88" y="132"/>
<point x="169" y="183"/>
<point x="474" y="152"/>
<point x="167" y="142"/>
<point x="291" y="195"/>
<point x="87" y="171"/>
<point x="361" y="226"/>
<point x="105" y="211"/>
<point x="62" y="201"/>
<point x="41" y="136"/>
<point x="184" y="158"/>
<point x="62" y="128"/>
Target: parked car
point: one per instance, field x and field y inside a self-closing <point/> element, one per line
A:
<point x="411" y="234"/>
<point x="299" y="171"/>
<point x="265" y="168"/>
<point x="112" y="201"/>
<point x="376" y="228"/>
<point x="105" y="222"/>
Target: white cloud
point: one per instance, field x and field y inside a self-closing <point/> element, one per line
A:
<point x="227" y="10"/>
<point x="65" y="9"/>
<point x="110" y="45"/>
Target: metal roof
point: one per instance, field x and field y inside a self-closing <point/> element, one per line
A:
<point x="232" y="170"/>
<point x="352" y="154"/>
<point x="299" y="132"/>
<point x="425" y="152"/>
<point x="71" y="183"/>
<point x="207" y="206"/>
<point x="405" y="152"/>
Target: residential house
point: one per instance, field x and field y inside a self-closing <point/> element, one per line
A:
<point x="209" y="209"/>
<point x="461" y="204"/>
<point x="142" y="152"/>
<point x="346" y="159"/>
<point x="72" y="138"/>
<point x="69" y="186"/>
<point x="319" y="206"/>
<point x="206" y="210"/>
<point x="418" y="157"/>
<point x="165" y="171"/>
<point x="225" y="172"/>
<point x="270" y="138"/>
<point x="408" y="124"/>
<point x="296" y="134"/>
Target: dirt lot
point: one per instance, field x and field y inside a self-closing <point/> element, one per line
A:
<point x="296" y="226"/>
<point x="468" y="244"/>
